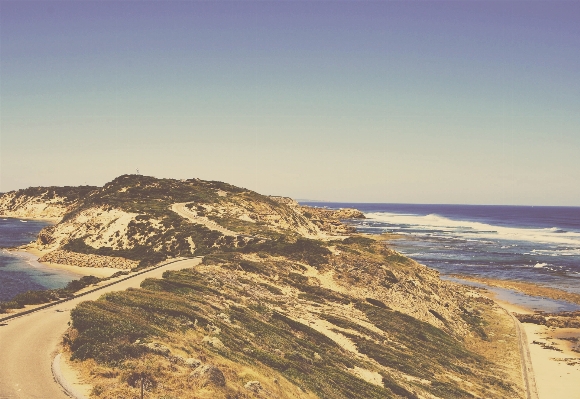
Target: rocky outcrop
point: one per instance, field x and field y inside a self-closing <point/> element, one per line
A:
<point x="286" y="201"/>
<point x="209" y="375"/>
<point x="330" y="220"/>
<point x="85" y="260"/>
<point x="333" y="214"/>
<point x="560" y="320"/>
<point x="280" y="214"/>
<point x="253" y="386"/>
<point x="98" y="227"/>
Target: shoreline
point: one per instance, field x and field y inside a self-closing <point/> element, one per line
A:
<point x="53" y="220"/>
<point x="34" y="254"/>
<point x="556" y="367"/>
<point x="556" y="373"/>
<point x="524" y="287"/>
<point x="23" y="347"/>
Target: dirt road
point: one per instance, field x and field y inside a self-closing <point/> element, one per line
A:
<point x="527" y="370"/>
<point x="184" y="212"/>
<point x="28" y="343"/>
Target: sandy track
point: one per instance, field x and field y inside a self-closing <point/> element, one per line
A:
<point x="526" y="360"/>
<point x="28" y="343"/>
<point x="182" y="211"/>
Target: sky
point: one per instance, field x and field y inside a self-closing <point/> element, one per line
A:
<point x="471" y="102"/>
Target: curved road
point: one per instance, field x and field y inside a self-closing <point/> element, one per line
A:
<point x="28" y="343"/>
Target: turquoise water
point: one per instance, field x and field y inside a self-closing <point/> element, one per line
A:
<point x="19" y="271"/>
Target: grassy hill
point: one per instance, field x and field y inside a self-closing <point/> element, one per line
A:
<point x="273" y="325"/>
<point x="285" y="304"/>
<point x="132" y="217"/>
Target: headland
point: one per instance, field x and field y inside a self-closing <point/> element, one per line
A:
<point x="290" y="303"/>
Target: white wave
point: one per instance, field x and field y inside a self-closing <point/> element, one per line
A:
<point x="557" y="252"/>
<point x="24" y="221"/>
<point x="540" y="265"/>
<point x="477" y="230"/>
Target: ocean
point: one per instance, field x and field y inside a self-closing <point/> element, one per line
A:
<point x="528" y="243"/>
<point x="525" y="243"/>
<point x="19" y="271"/>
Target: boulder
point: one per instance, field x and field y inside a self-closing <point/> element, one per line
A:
<point x="253" y="386"/>
<point x="192" y="362"/>
<point x="213" y="342"/>
<point x="208" y="375"/>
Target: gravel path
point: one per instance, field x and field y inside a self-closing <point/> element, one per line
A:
<point x="527" y="370"/>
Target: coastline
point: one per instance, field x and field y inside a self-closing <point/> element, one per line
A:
<point x="555" y="371"/>
<point x="81" y="271"/>
<point x="53" y="220"/>
<point x="556" y="367"/>
<point x="524" y="287"/>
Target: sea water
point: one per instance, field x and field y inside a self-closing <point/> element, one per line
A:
<point x="19" y="271"/>
<point x="526" y="243"/>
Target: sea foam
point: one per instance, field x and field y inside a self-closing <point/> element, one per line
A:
<point x="469" y="229"/>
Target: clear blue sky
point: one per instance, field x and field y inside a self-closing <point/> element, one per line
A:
<point x="424" y="102"/>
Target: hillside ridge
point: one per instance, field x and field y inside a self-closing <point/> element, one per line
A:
<point x="289" y="302"/>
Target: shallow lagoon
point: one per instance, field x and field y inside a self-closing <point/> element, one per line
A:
<point x="517" y="298"/>
<point x="19" y="271"/>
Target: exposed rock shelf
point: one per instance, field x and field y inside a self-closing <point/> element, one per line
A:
<point x="85" y="260"/>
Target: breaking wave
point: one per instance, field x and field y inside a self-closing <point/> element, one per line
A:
<point x="477" y="230"/>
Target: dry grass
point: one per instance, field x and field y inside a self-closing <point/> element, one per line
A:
<point x="297" y="329"/>
<point x="501" y="344"/>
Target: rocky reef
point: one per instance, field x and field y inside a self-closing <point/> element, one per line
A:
<point x="330" y="220"/>
<point x="85" y="260"/>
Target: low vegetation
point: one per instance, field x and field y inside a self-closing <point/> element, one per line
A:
<point x="261" y="316"/>
<point x="38" y="297"/>
<point x="273" y="312"/>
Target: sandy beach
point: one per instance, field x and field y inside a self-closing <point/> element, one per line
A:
<point x="34" y="254"/>
<point x="52" y="220"/>
<point x="556" y="367"/>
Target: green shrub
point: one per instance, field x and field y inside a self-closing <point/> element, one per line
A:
<point x="312" y="252"/>
<point x="85" y="281"/>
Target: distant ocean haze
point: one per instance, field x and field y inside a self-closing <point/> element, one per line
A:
<point x="19" y="271"/>
<point x="534" y="244"/>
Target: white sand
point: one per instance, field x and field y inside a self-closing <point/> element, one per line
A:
<point x="555" y="379"/>
<point x="73" y="377"/>
<point x="84" y="271"/>
<point x="33" y="255"/>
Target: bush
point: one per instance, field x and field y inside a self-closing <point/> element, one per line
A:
<point x="85" y="281"/>
<point x="304" y="250"/>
